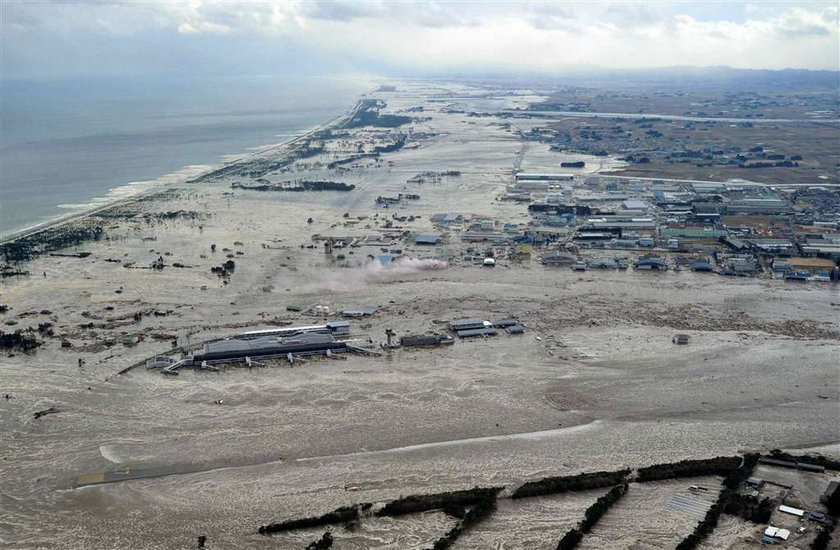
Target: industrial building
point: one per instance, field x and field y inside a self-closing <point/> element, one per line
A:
<point x="651" y="263"/>
<point x="425" y="340"/>
<point x="458" y="325"/>
<point x="337" y="328"/>
<point x="268" y="346"/>
<point x="446" y="219"/>
<point x="270" y="343"/>
<point x="545" y="177"/>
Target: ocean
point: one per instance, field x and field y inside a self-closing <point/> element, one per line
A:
<point x="71" y="145"/>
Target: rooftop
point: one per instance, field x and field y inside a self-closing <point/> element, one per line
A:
<point x="634" y="205"/>
<point x="426" y="239"/>
<point x="694" y="232"/>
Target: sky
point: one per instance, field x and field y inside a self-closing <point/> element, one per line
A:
<point x="65" y="39"/>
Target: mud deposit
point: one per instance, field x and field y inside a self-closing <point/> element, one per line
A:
<point x="594" y="383"/>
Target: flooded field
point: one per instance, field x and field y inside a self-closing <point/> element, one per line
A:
<point x="657" y="514"/>
<point x="594" y="383"/>
<point x="529" y="524"/>
<point x="411" y="532"/>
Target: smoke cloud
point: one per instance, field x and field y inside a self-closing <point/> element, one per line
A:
<point x="376" y="272"/>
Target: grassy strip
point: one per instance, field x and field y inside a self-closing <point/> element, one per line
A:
<point x="562" y="484"/>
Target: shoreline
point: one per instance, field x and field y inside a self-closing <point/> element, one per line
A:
<point x="595" y="382"/>
<point x="65" y="219"/>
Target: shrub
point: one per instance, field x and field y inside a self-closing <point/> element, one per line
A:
<point x="18" y="340"/>
<point x="749" y="508"/>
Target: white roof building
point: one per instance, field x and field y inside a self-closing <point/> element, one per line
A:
<point x="554" y="177"/>
<point x="776" y="533"/>
<point x="791" y="510"/>
<point x="634" y="205"/>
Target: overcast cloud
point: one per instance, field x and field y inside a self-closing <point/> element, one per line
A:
<point x="64" y="39"/>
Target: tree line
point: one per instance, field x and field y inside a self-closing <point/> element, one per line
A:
<point x="562" y="484"/>
<point x="478" y="513"/>
<point x="595" y="512"/>
<point x="721" y="466"/>
<point x="31" y="246"/>
<point x="733" y="480"/>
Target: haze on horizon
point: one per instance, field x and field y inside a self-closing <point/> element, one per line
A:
<point x="49" y="40"/>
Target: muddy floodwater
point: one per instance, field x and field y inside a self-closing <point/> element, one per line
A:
<point x="594" y="383"/>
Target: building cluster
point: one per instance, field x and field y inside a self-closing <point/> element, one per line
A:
<point x="584" y="222"/>
<point x="473" y="327"/>
<point x="736" y="228"/>
<point x="798" y="495"/>
<point x="464" y="328"/>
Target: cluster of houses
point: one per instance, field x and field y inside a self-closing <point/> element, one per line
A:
<point x="739" y="229"/>
<point x="586" y="222"/>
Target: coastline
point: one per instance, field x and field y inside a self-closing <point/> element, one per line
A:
<point x="68" y="218"/>
<point x="257" y="441"/>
